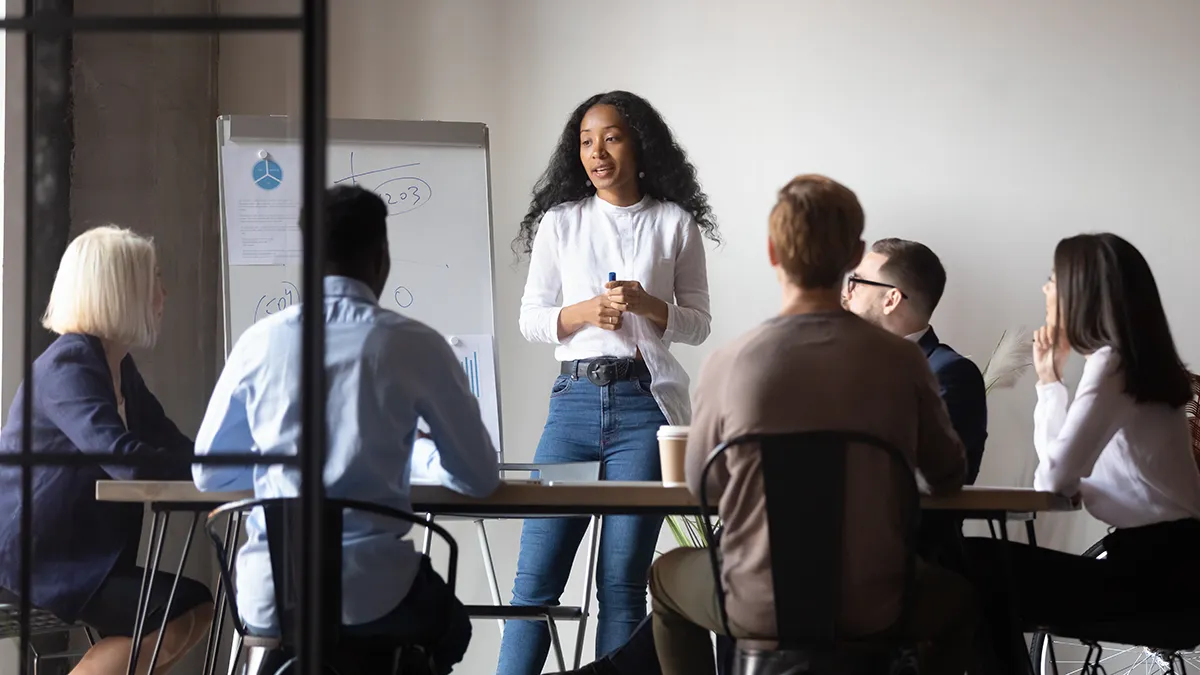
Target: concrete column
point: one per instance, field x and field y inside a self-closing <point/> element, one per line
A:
<point x="145" y="158"/>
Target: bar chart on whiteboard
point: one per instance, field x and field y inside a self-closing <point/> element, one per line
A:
<point x="470" y="365"/>
<point x="476" y="355"/>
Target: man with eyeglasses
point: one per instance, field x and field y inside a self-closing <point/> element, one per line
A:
<point x="897" y="286"/>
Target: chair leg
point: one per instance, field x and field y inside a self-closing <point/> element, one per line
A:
<point x="235" y="653"/>
<point x="554" y="642"/>
<point x="427" y="541"/>
<point x="489" y="568"/>
<point x="1091" y="662"/>
<point x="34" y="659"/>
<point x="590" y="580"/>
<point x="253" y="658"/>
<point x="91" y="637"/>
<point x="212" y="647"/>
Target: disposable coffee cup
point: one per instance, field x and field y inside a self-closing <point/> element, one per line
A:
<point x="672" y="446"/>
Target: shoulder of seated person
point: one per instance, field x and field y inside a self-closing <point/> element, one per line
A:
<point x="952" y="360"/>
<point x="396" y="326"/>
<point x="884" y="339"/>
<point x="72" y="347"/>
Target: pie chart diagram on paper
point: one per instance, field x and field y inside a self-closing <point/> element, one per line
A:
<point x="267" y="174"/>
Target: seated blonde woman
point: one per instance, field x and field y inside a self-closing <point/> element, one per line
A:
<point x="88" y="398"/>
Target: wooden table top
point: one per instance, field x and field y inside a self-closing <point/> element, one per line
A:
<point x="517" y="498"/>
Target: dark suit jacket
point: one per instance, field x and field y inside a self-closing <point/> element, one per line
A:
<point x="76" y="541"/>
<point x="964" y="394"/>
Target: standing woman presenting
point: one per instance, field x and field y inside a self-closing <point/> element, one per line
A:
<point x="619" y="201"/>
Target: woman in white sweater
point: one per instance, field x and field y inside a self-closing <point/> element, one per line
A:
<point x="617" y="274"/>
<point x="1122" y="446"/>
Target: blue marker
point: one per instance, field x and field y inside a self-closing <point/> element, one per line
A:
<point x="612" y="276"/>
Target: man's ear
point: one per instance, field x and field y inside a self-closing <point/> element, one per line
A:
<point x="891" y="300"/>
<point x="771" y="255"/>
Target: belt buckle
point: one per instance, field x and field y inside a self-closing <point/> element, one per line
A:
<point x="601" y="372"/>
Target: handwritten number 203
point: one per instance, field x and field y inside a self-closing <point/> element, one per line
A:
<point x="404" y="196"/>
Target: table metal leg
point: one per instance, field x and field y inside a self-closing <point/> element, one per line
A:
<point x="554" y="642"/>
<point x="158" y="532"/>
<point x="488" y="568"/>
<point x="593" y="546"/>
<point x="187" y="547"/>
<point x="1030" y="532"/>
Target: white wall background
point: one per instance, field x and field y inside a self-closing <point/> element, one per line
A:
<point x="988" y="130"/>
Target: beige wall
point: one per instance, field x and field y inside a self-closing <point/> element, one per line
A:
<point x="988" y="130"/>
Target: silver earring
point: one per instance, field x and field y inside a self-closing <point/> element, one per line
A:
<point x="587" y="183"/>
<point x="641" y="174"/>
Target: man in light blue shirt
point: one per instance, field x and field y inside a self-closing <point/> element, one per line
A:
<point x="383" y="373"/>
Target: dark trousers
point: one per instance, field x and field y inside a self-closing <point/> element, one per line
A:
<point x="429" y="616"/>
<point x="1023" y="588"/>
<point x="940" y="542"/>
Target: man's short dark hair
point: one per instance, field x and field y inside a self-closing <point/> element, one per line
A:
<point x="355" y="225"/>
<point x="915" y="270"/>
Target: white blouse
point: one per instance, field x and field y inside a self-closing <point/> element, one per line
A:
<point x="652" y="242"/>
<point x="1131" y="462"/>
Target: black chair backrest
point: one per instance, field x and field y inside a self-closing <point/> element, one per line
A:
<point x="285" y="540"/>
<point x="284" y="535"/>
<point x="804" y="486"/>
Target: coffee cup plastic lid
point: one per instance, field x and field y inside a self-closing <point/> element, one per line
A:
<point x="668" y="431"/>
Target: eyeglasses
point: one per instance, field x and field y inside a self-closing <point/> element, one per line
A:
<point x="855" y="280"/>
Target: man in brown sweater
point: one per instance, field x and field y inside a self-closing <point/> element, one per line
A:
<point x="814" y="367"/>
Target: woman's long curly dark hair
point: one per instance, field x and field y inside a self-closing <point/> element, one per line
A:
<point x="668" y="175"/>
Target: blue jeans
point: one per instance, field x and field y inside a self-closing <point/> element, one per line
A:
<point x="616" y="424"/>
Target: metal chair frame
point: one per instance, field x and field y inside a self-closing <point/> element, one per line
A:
<point x="566" y="472"/>
<point x="244" y="640"/>
<point x="41" y="623"/>
<point x="804" y="631"/>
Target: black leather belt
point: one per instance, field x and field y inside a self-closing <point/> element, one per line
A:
<point x="606" y="370"/>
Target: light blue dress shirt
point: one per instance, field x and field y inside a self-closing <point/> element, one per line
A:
<point x="383" y="373"/>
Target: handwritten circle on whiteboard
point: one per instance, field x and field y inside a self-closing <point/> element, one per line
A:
<point x="271" y="303"/>
<point x="404" y="194"/>
<point x="404" y="297"/>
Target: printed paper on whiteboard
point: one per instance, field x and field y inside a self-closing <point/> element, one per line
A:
<point x="477" y="358"/>
<point x="262" y="204"/>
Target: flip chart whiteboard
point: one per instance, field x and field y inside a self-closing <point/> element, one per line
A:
<point x="434" y="178"/>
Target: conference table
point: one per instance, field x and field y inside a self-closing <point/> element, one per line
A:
<point x="516" y="499"/>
